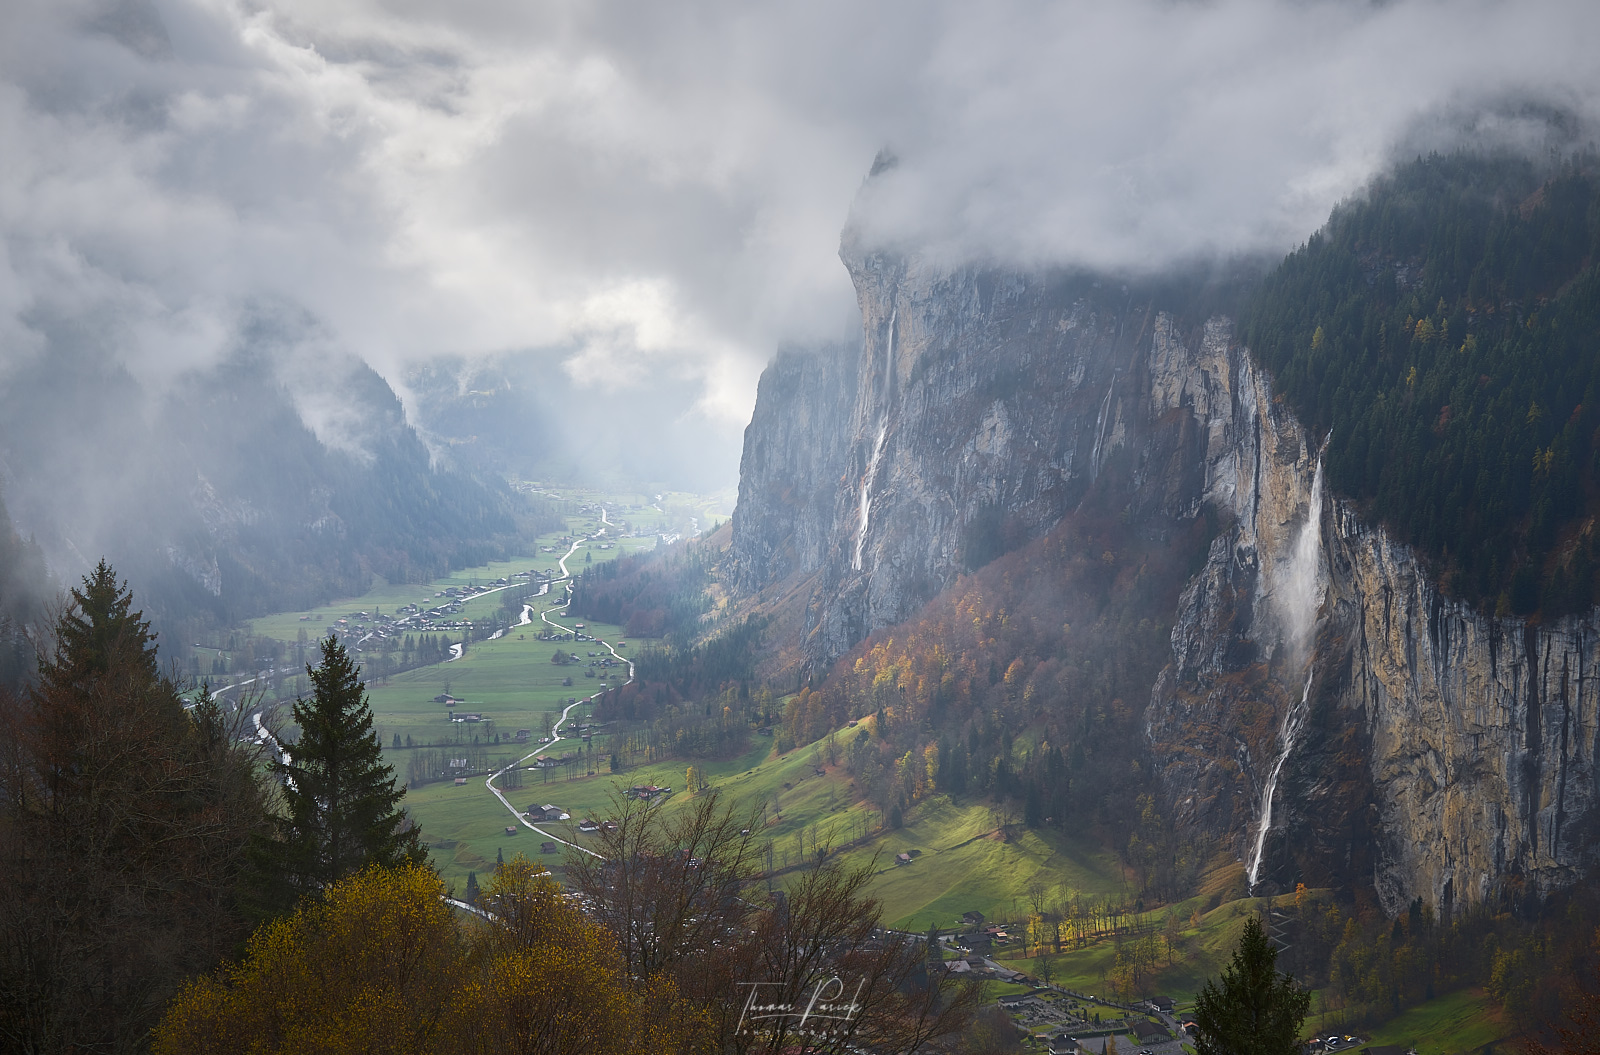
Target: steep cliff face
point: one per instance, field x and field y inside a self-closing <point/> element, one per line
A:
<point x="978" y="410"/>
<point x="1424" y="747"/>
<point x="1317" y="678"/>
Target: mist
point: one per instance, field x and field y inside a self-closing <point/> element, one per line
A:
<point x="640" y="202"/>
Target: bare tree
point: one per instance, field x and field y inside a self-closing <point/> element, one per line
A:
<point x="682" y="894"/>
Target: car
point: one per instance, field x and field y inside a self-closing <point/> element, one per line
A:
<point x="1332" y="1042"/>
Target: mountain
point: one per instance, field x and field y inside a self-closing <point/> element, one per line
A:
<point x="1327" y="661"/>
<point x="214" y="496"/>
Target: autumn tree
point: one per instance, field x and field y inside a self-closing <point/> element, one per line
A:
<point x="341" y="805"/>
<point x="1254" y="1010"/>
<point x="380" y="963"/>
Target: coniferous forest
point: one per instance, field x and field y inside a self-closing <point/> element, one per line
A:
<point x="1440" y="330"/>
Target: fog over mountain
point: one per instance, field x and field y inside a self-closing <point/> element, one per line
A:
<point x="646" y="199"/>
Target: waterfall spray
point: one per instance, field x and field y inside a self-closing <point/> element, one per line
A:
<point x="1302" y="591"/>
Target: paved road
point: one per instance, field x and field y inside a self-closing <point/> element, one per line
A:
<point x="555" y="731"/>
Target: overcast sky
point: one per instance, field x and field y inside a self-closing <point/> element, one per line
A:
<point x="654" y="190"/>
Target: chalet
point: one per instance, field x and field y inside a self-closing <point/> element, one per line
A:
<point x="1162" y="1004"/>
<point x="645" y="792"/>
<point x="1061" y="1044"/>
<point x="903" y="859"/>
<point x="588" y="827"/>
<point x="1148" y="1032"/>
<point x="547" y="848"/>
<point x="510" y="830"/>
<point x="460" y="781"/>
<point x="523" y="735"/>
<point x="464" y="717"/>
<point x="547" y="812"/>
<point x="1011" y="1003"/>
<point x="972" y="918"/>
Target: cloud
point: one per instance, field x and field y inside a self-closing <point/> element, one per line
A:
<point x="648" y="193"/>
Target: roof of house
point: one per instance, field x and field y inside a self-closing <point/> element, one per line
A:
<point x="1146" y="1030"/>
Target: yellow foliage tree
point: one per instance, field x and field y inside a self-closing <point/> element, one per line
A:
<point x="381" y="964"/>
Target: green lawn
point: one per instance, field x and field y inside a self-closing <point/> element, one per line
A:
<point x="1454" y="1024"/>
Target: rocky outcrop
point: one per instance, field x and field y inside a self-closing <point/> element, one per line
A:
<point x="1408" y="742"/>
<point x="980" y="407"/>
<point x="1444" y="754"/>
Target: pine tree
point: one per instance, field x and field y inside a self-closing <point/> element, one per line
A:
<point x="1255" y="1010"/>
<point x="98" y="630"/>
<point x="341" y="803"/>
<point x="472" y="888"/>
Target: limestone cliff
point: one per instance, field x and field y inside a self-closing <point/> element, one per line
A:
<point x="1408" y="742"/>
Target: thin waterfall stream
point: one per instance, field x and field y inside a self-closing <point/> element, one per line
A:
<point x="1302" y="590"/>
<point x="864" y="514"/>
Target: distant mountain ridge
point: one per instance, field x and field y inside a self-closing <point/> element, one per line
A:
<point x="218" y="502"/>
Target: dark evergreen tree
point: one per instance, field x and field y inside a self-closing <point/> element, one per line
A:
<point x="472" y="888"/>
<point x="1255" y="1010"/>
<point x="342" y="808"/>
<point x="123" y="826"/>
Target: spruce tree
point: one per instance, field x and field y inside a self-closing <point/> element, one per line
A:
<point x="342" y="808"/>
<point x="1255" y="1010"/>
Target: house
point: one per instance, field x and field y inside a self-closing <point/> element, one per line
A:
<point x="460" y="781"/>
<point x="1011" y="1003"/>
<point x="1162" y="1004"/>
<point x="547" y="847"/>
<point x="972" y="918"/>
<point x="1061" y="1044"/>
<point x="523" y="735"/>
<point x="903" y="859"/>
<point x="510" y="830"/>
<point x="1148" y="1032"/>
<point x="588" y="827"/>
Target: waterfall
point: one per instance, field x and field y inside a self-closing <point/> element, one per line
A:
<point x="1299" y="597"/>
<point x="1100" y="429"/>
<point x="865" y="512"/>
<point x="866" y="494"/>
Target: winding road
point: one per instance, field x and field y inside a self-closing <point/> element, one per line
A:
<point x="555" y="732"/>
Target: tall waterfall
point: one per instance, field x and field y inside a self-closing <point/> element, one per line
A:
<point x="865" y="513"/>
<point x="1299" y="596"/>
<point x="866" y="494"/>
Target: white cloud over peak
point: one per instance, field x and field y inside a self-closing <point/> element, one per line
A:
<point x="641" y="190"/>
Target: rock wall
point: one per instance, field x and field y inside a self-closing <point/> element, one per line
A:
<point x="1446" y="755"/>
<point x="1436" y="752"/>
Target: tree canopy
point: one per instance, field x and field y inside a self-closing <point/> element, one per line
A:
<point x="341" y="804"/>
<point x="1253" y="1009"/>
<point x="1442" y="328"/>
<point x="124" y="820"/>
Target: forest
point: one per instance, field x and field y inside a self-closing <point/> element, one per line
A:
<point x="1440" y="332"/>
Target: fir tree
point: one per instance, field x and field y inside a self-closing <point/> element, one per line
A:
<point x="341" y="804"/>
<point x="472" y="888"/>
<point x="1255" y="1010"/>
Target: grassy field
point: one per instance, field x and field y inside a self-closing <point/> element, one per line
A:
<point x="1454" y="1024"/>
<point x="628" y="514"/>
